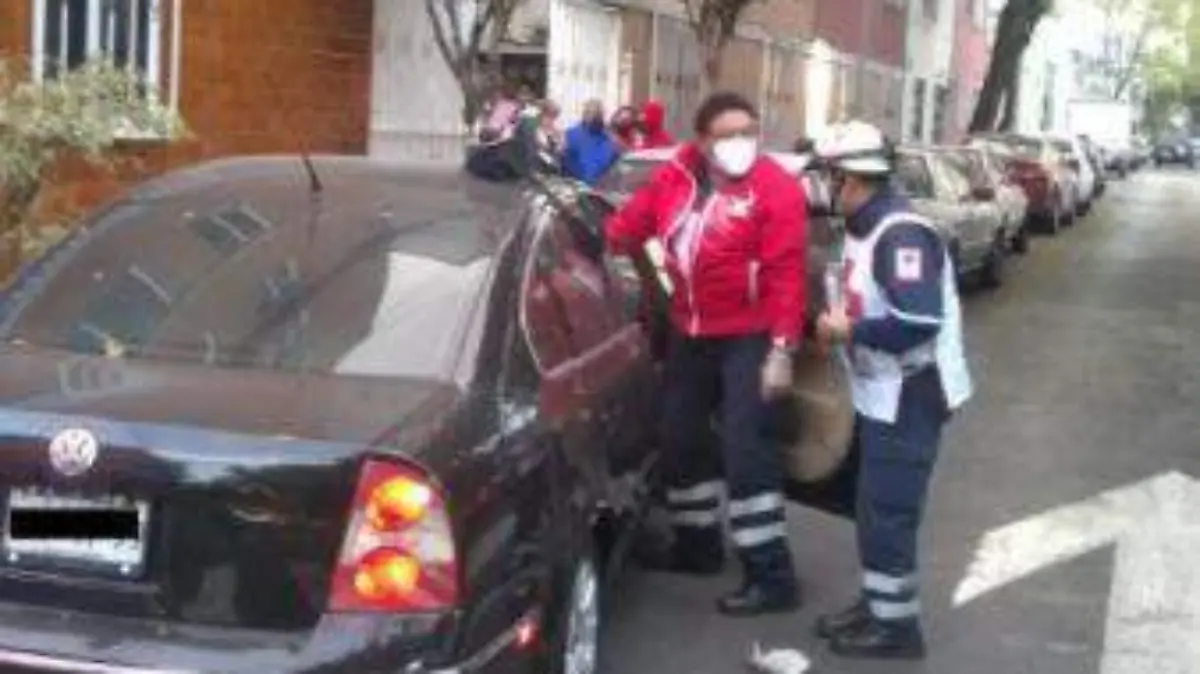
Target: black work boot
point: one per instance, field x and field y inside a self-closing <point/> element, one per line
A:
<point x="881" y="639"/>
<point x="754" y="599"/>
<point x="693" y="553"/>
<point x="848" y="619"/>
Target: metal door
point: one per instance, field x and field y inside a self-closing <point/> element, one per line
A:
<point x="677" y="73"/>
<point x="584" y="56"/>
<point x="416" y="104"/>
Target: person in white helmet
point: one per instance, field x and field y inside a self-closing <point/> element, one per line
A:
<point x="897" y="321"/>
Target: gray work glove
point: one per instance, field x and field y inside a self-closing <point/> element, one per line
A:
<point x="777" y="376"/>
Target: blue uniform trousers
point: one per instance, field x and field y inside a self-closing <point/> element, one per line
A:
<point x="896" y="462"/>
<point x="746" y="465"/>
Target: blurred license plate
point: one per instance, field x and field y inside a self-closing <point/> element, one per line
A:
<point x="106" y="533"/>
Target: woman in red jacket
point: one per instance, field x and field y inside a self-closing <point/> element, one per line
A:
<point x="733" y="224"/>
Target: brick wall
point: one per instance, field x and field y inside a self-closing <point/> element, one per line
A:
<point x="256" y="77"/>
<point x="874" y="28"/>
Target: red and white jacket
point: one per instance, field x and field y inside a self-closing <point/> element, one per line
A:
<point x="737" y="259"/>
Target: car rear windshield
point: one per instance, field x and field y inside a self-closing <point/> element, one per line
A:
<point x="259" y="287"/>
<point x="627" y="175"/>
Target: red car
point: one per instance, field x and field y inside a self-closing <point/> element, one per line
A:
<point x="1036" y="166"/>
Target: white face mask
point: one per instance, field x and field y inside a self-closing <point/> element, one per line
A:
<point x="735" y="156"/>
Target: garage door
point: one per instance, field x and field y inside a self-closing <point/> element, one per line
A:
<point x="584" y="55"/>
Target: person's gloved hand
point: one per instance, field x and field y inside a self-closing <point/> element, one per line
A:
<point x="777" y="375"/>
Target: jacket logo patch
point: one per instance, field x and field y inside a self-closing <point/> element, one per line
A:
<point x="740" y="207"/>
<point x="908" y="264"/>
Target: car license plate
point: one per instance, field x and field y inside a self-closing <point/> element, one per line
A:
<point x="106" y="534"/>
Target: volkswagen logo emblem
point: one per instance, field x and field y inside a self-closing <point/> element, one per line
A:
<point x="73" y="451"/>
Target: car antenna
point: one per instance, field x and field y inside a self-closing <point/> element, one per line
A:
<point x="314" y="179"/>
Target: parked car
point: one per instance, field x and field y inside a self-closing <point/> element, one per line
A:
<point x="634" y="169"/>
<point x="360" y="419"/>
<point x="1171" y="152"/>
<point x="986" y="174"/>
<point x="1072" y="156"/>
<point x="968" y="218"/>
<point x="1098" y="160"/>
<point x="1035" y="165"/>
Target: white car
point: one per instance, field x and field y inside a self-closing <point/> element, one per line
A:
<point x="1075" y="157"/>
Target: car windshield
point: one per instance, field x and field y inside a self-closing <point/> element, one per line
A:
<point x="253" y="285"/>
<point x="1029" y="148"/>
<point x="912" y="176"/>
<point x="969" y="164"/>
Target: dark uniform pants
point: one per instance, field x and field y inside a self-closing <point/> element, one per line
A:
<point x="896" y="464"/>
<point x="700" y="373"/>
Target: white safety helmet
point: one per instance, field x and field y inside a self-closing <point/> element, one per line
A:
<point x="856" y="147"/>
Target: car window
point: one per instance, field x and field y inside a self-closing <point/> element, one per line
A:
<point x="954" y="184"/>
<point x="970" y="165"/>
<point x="913" y="177"/>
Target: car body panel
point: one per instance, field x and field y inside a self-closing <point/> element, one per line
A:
<point x="942" y="193"/>
<point x="271" y="329"/>
<point x="983" y="171"/>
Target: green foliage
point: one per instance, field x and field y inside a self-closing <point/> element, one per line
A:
<point x="84" y="112"/>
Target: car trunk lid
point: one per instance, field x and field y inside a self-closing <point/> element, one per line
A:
<point x="236" y="484"/>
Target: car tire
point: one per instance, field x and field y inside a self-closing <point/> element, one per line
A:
<point x="577" y="611"/>
<point x="991" y="275"/>
<point x="1084" y="209"/>
<point x="1020" y="242"/>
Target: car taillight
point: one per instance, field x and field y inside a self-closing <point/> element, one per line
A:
<point x="398" y="554"/>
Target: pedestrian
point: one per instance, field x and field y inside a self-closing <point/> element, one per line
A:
<point x="732" y="223"/>
<point x="652" y="122"/>
<point x="624" y="126"/>
<point x="549" y="134"/>
<point x="500" y="115"/>
<point x="590" y="148"/>
<point x="897" y="321"/>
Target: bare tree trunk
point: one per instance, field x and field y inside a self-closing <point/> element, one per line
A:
<point x="1018" y="20"/>
<point x="1008" y="121"/>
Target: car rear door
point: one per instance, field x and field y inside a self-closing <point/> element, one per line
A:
<point x="615" y="374"/>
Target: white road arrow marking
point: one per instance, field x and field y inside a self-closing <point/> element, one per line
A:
<point x="1153" y="623"/>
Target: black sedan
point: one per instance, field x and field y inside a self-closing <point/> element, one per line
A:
<point x="273" y="416"/>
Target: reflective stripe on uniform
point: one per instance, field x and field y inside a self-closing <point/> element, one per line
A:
<point x="750" y="537"/>
<point x="697" y="493"/>
<point x="695" y="518"/>
<point x="885" y="584"/>
<point x="755" y="505"/>
<point x="891" y="610"/>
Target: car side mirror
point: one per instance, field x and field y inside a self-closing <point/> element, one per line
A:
<point x="983" y="193"/>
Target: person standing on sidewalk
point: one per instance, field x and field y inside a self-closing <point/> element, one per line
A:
<point x="898" y="323"/>
<point x="732" y="222"/>
<point x="590" y="147"/>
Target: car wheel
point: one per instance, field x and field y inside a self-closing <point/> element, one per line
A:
<point x="991" y="275"/>
<point x="1084" y="208"/>
<point x="577" y="642"/>
<point x="1020" y="242"/>
<point x="1053" y="221"/>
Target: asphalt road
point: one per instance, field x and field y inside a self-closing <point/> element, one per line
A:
<point x="1088" y="370"/>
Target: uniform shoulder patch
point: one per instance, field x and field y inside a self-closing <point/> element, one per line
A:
<point x="908" y="263"/>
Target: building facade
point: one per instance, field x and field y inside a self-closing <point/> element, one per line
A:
<point x="969" y="64"/>
<point x="928" y="90"/>
<point x="865" y="42"/>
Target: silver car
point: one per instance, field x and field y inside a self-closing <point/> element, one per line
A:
<point x="986" y="173"/>
<point x="969" y="219"/>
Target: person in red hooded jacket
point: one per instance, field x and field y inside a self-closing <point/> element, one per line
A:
<point x="652" y="121"/>
<point x="732" y="221"/>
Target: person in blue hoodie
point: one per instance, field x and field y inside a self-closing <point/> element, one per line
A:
<point x="590" y="148"/>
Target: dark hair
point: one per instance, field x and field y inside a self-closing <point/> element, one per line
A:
<point x="717" y="104"/>
<point x="804" y="145"/>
